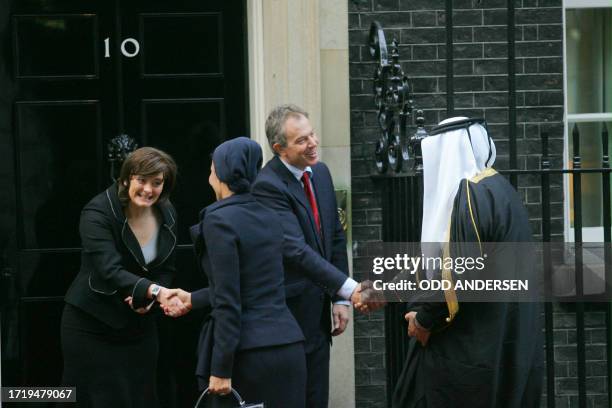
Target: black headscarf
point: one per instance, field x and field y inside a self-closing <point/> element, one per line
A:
<point x="237" y="163"/>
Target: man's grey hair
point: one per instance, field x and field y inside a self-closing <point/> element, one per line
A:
<point x="275" y="124"/>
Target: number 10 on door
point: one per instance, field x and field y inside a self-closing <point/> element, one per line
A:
<point x="134" y="47"/>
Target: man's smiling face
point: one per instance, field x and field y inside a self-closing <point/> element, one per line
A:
<point x="302" y="143"/>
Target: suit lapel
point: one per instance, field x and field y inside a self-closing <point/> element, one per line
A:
<point x="296" y="189"/>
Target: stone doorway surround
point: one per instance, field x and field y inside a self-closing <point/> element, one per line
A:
<point x="298" y="52"/>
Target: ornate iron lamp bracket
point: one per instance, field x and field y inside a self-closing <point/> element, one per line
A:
<point x="394" y="105"/>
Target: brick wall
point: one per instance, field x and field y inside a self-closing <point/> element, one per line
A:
<point x="480" y="89"/>
<point x="566" y="368"/>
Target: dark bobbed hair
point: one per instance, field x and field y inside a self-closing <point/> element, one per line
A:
<point x="147" y="161"/>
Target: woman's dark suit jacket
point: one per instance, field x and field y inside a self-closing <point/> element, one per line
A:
<point x="112" y="264"/>
<point x="241" y="252"/>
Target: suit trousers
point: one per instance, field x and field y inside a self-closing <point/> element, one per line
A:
<point x="317" y="385"/>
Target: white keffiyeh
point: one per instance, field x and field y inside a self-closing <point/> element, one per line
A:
<point x="447" y="159"/>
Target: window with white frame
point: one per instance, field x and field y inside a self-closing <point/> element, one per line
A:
<point x="588" y="85"/>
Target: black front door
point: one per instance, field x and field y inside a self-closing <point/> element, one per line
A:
<point x="73" y="76"/>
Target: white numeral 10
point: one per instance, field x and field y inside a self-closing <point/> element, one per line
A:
<point x="124" y="51"/>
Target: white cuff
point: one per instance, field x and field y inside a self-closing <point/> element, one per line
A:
<point x="347" y="289"/>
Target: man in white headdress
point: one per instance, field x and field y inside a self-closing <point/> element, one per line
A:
<point x="470" y="354"/>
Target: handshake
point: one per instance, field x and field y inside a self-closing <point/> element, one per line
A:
<point x="177" y="302"/>
<point x="366" y="299"/>
<point x="174" y="302"/>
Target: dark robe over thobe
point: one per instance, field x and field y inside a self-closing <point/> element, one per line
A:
<point x="491" y="354"/>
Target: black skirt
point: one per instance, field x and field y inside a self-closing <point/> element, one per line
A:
<point x="108" y="367"/>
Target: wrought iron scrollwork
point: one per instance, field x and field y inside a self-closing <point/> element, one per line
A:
<point x="392" y="101"/>
<point x="118" y="149"/>
<point x="394" y="105"/>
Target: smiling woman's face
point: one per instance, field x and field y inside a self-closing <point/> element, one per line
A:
<point x="144" y="191"/>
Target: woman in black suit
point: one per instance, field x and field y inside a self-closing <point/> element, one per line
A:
<point x="108" y="330"/>
<point x="252" y="342"/>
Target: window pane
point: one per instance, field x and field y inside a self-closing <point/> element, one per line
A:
<point x="589" y="60"/>
<point x="591" y="153"/>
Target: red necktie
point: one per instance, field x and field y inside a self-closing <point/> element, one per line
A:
<point x="311" y="199"/>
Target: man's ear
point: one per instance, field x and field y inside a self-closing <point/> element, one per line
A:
<point x="278" y="148"/>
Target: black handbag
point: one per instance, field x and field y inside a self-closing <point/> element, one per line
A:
<point x="241" y="402"/>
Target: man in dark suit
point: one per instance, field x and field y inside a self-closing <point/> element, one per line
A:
<point x="300" y="189"/>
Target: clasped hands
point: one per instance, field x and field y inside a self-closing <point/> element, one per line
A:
<point x="177" y="302"/>
<point x="366" y="299"/>
<point x="174" y="302"/>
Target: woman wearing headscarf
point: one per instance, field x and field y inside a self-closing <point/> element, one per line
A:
<point x="251" y="341"/>
<point x="466" y="354"/>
